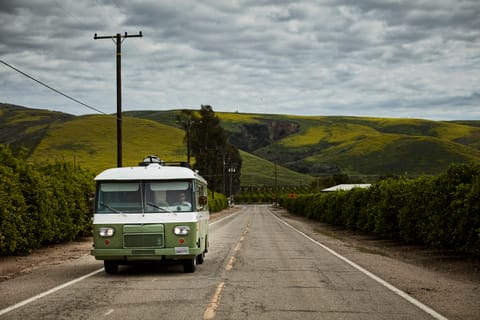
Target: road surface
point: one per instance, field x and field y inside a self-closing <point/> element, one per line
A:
<point x="258" y="267"/>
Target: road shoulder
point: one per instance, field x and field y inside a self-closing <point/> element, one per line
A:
<point x="449" y="284"/>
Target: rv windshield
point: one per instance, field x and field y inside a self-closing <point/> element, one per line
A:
<point x="144" y="197"/>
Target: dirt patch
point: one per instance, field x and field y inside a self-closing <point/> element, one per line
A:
<point x="13" y="266"/>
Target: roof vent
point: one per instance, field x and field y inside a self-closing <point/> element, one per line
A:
<point x="149" y="160"/>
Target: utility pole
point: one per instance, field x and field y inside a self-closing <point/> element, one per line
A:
<point x="276" y="187"/>
<point x="118" y="41"/>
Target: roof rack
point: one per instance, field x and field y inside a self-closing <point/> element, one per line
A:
<point x="177" y="163"/>
<point x="149" y="160"/>
<point x="154" y="159"/>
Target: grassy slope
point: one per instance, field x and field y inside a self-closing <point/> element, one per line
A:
<point x="258" y="172"/>
<point x="255" y="171"/>
<point x="91" y="141"/>
<point x="372" y="146"/>
<point x="361" y="145"/>
<point x="21" y="126"/>
<point x="358" y="145"/>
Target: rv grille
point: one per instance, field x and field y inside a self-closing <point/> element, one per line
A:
<point x="143" y="241"/>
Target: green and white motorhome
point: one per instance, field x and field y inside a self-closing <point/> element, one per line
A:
<point x="153" y="212"/>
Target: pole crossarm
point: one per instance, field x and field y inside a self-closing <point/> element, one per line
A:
<point x="125" y="35"/>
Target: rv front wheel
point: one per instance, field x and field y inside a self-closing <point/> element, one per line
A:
<point x="111" y="267"/>
<point x="201" y="258"/>
<point x="190" y="265"/>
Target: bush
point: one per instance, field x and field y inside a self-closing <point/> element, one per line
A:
<point x="441" y="212"/>
<point x="41" y="204"/>
<point x="13" y="234"/>
<point x="217" y="202"/>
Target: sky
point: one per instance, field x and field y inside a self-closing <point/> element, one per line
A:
<point x="375" y="58"/>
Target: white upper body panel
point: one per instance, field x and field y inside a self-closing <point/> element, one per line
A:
<point x="153" y="171"/>
<point x="164" y="217"/>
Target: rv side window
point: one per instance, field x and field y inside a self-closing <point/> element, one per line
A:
<point x="201" y="197"/>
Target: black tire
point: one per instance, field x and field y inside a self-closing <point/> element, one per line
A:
<point x="201" y="258"/>
<point x="190" y="265"/>
<point x="111" y="267"/>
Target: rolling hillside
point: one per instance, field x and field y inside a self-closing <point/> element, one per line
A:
<point x="90" y="141"/>
<point x="352" y="145"/>
<point x="305" y="145"/>
<point x="21" y="126"/>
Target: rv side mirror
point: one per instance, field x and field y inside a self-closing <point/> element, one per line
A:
<point x="91" y="201"/>
<point x="202" y="200"/>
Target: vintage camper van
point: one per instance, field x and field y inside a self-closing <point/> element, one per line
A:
<point x="153" y="212"/>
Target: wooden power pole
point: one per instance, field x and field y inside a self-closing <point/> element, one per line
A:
<point x="118" y="39"/>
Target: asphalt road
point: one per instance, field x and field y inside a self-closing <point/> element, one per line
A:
<point x="257" y="268"/>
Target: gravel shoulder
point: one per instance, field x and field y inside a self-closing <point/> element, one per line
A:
<point x="449" y="284"/>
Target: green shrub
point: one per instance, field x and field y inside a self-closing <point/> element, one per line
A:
<point x="13" y="234"/>
<point x="412" y="215"/>
<point x="441" y="212"/>
<point x="41" y="204"/>
<point x="217" y="202"/>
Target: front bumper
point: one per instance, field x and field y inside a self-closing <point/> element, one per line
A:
<point x="177" y="253"/>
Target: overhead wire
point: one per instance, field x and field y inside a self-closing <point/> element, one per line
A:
<point x="53" y="89"/>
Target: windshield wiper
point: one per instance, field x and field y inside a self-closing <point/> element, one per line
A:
<point x="110" y="208"/>
<point x="157" y="207"/>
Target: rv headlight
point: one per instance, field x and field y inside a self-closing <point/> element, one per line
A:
<point x="181" y="230"/>
<point x="106" y="232"/>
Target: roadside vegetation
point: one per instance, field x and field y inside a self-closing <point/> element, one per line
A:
<point x="41" y="204"/>
<point x="441" y="212"/>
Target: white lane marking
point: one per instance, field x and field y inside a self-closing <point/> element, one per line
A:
<point x="224" y="218"/>
<point x="399" y="292"/>
<point x="109" y="312"/>
<point x="41" y="295"/>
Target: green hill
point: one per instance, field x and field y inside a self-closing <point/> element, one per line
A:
<point x="26" y="127"/>
<point x="260" y="172"/>
<point x="357" y="145"/>
<point x="90" y="141"/>
<point x="301" y="146"/>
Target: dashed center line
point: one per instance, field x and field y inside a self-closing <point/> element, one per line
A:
<point x="211" y="310"/>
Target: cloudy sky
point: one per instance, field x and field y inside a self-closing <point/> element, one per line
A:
<point x="383" y="58"/>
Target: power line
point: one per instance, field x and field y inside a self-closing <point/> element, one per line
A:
<point x="53" y="89"/>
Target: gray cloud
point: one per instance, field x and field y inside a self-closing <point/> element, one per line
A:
<point x="417" y="59"/>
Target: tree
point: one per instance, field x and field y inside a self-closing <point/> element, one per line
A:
<point x="186" y="120"/>
<point x="217" y="161"/>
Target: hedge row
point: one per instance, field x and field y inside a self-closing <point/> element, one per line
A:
<point x="41" y="204"/>
<point x="440" y="212"/>
<point x="217" y="202"/>
<point x="267" y="194"/>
